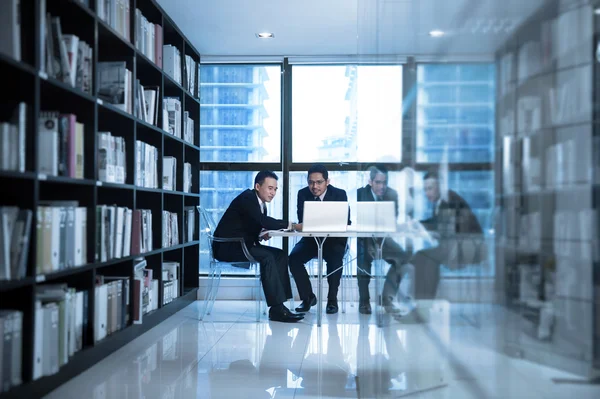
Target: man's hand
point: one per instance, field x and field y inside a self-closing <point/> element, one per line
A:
<point x="297" y="226"/>
<point x="263" y="235"/>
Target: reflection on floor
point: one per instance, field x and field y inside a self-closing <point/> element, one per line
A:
<point x="447" y="351"/>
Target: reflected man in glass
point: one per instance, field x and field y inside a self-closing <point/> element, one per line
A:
<point x="459" y="235"/>
<point x="377" y="190"/>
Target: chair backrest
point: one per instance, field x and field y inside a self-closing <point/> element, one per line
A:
<point x="208" y="220"/>
<point x="209" y="230"/>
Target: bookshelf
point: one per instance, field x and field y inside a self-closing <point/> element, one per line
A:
<point x="548" y="188"/>
<point x="29" y="80"/>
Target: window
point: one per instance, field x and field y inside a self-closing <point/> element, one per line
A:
<point x="217" y="190"/>
<point x="455" y="113"/>
<point x="350" y="113"/>
<point x="240" y="113"/>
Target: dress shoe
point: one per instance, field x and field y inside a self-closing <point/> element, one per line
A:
<point x="364" y="307"/>
<point x="306" y="304"/>
<point x="332" y="306"/>
<point x="283" y="314"/>
<point x="391" y="308"/>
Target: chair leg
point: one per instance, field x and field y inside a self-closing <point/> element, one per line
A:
<point x="209" y="289"/>
<point x="257" y="296"/>
<point x="215" y="289"/>
<point x="343" y="284"/>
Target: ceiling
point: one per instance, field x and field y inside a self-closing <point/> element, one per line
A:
<point x="348" y="27"/>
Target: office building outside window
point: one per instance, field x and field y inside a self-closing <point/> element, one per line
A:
<point x="240" y="113"/>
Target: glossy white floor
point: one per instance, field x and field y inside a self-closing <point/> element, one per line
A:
<point x="231" y="356"/>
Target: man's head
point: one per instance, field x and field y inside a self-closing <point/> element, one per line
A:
<point x="431" y="184"/>
<point x="378" y="179"/>
<point x="265" y="185"/>
<point x="318" y="179"/>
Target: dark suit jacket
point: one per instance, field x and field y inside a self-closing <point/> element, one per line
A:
<point x="460" y="234"/>
<point x="365" y="194"/>
<point x="332" y="194"/>
<point x="454" y="216"/>
<point x="243" y="218"/>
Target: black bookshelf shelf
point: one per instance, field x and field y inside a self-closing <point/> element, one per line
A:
<point x="32" y="189"/>
<point x="191" y="97"/>
<point x="145" y="125"/>
<point x="180" y="246"/>
<point x="171" y="84"/>
<point x="105" y="31"/>
<point x="119" y="112"/>
<point x="66" y="180"/>
<point x="175" y="138"/>
<point x="149" y="190"/>
<point x="8" y="285"/>
<point x="83" y="8"/>
<point x="65" y="87"/>
<point x="20" y="66"/>
<point x="143" y="61"/>
<point x="115" y="185"/>
<point x="17" y="175"/>
<point x="45" y="278"/>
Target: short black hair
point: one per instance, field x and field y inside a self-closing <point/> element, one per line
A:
<point x="262" y="175"/>
<point x="318" y="168"/>
<point x="375" y="169"/>
<point x="432" y="174"/>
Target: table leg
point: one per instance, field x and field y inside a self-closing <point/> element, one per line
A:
<point x="320" y="279"/>
<point x="378" y="261"/>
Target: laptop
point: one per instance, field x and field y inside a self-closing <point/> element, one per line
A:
<point x="376" y="216"/>
<point x="325" y="216"/>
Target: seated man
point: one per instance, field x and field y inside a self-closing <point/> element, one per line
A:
<point x="459" y="234"/>
<point x="378" y="190"/>
<point x="318" y="189"/>
<point x="246" y="217"/>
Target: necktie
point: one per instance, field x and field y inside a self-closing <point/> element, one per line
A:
<point x="317" y="198"/>
<point x="264" y="208"/>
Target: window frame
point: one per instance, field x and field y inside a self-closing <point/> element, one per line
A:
<point x="409" y="131"/>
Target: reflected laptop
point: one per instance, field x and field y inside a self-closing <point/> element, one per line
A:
<point x="377" y="216"/>
<point x="321" y="216"/>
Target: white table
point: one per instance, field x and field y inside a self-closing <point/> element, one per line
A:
<point x="320" y="238"/>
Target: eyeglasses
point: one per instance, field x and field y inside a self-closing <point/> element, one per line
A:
<point x="315" y="183"/>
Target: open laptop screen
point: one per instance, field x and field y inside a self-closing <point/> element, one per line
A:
<point x="377" y="216"/>
<point x="321" y="216"/>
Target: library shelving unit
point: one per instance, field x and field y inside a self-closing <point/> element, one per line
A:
<point x="26" y="81"/>
<point x="548" y="186"/>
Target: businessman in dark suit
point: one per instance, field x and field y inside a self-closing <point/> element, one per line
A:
<point x="378" y="190"/>
<point x="318" y="189"/>
<point x="246" y="217"/>
<point x="459" y="234"/>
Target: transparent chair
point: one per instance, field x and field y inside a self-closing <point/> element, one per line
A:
<point x="216" y="267"/>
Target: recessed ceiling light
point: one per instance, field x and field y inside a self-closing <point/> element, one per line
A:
<point x="437" y="33"/>
<point x="265" y="35"/>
